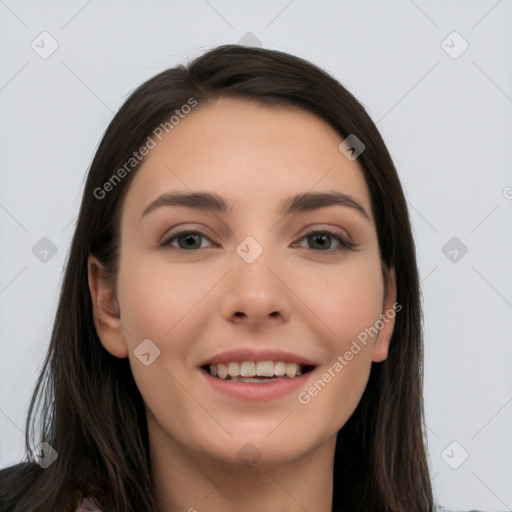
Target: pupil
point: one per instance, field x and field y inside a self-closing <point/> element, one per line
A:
<point x="321" y="239"/>
<point x="189" y="240"/>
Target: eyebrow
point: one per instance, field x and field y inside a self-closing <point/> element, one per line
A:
<point x="214" y="202"/>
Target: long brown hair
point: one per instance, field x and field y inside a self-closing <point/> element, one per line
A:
<point x="86" y="404"/>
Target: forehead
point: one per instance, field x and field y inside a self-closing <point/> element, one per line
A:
<point x="249" y="152"/>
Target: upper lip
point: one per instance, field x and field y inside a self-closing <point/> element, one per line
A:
<point x="258" y="354"/>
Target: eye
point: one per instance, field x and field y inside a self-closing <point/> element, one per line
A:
<point x="322" y="240"/>
<point x="187" y="240"/>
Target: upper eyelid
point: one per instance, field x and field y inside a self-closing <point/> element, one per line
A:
<point x="179" y="231"/>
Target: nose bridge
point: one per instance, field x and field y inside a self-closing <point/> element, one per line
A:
<point x="253" y="290"/>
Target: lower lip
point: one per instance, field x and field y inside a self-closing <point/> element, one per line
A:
<point x="252" y="391"/>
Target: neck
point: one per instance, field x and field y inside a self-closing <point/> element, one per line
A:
<point x="192" y="482"/>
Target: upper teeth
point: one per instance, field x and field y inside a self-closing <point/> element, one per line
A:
<point x="255" y="369"/>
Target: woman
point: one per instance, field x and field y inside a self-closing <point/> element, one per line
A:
<point x="239" y="326"/>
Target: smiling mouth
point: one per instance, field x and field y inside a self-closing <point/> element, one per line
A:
<point x="256" y="371"/>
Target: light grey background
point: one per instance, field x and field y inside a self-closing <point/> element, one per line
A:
<point x="445" y="116"/>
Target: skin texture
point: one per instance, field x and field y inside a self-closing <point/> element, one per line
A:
<point x="194" y="304"/>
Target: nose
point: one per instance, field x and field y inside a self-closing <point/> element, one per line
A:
<point x="254" y="294"/>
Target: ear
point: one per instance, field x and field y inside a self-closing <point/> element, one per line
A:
<point x="105" y="310"/>
<point x="390" y="309"/>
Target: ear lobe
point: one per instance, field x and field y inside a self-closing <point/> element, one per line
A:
<point x="105" y="310"/>
<point x="390" y="308"/>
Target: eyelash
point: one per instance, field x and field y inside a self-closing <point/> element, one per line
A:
<point x="345" y="244"/>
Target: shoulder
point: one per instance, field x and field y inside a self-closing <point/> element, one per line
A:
<point x="439" y="508"/>
<point x="87" y="504"/>
<point x="15" y="482"/>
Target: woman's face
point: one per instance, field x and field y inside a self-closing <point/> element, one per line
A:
<point x="268" y="279"/>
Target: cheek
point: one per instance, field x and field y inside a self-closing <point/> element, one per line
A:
<point x="349" y="304"/>
<point x="155" y="303"/>
<point x="330" y="400"/>
<point x="154" y="297"/>
<point x="164" y="303"/>
<point x="347" y="299"/>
